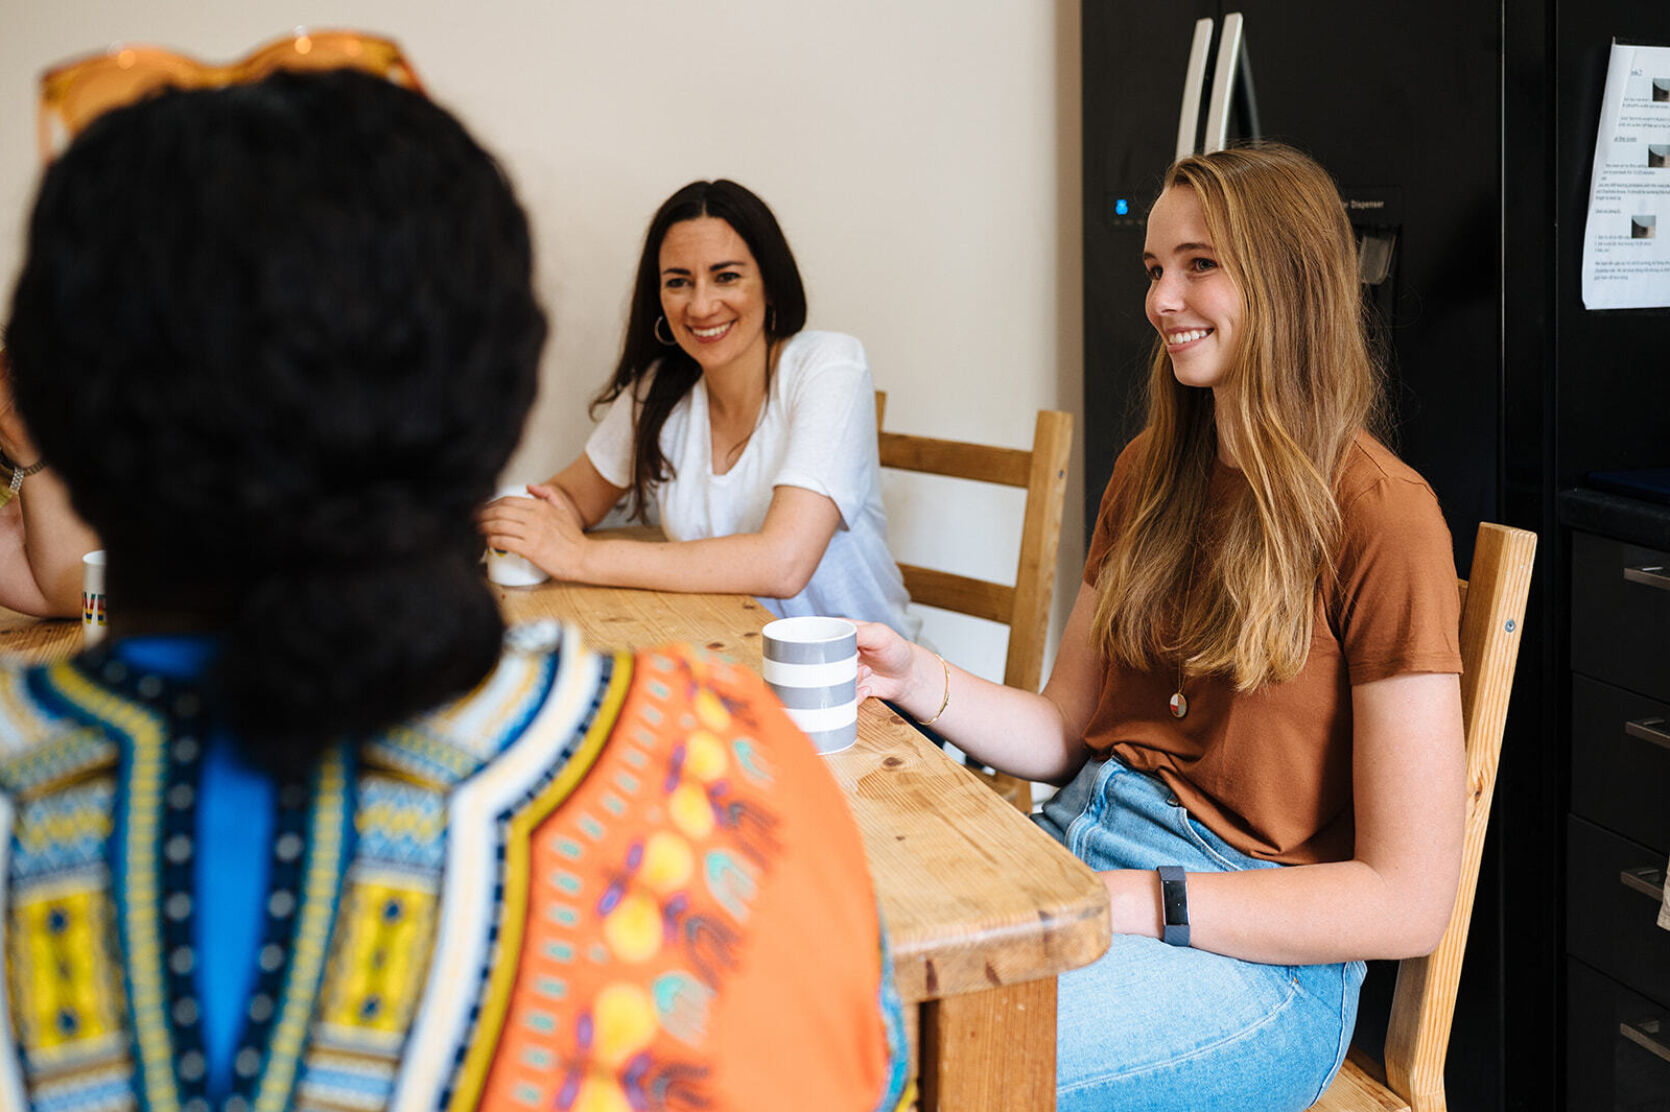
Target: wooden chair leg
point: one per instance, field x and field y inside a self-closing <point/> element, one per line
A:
<point x="990" y="1050"/>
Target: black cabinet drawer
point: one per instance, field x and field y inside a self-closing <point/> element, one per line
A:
<point x="1617" y="1046"/>
<point x="1613" y="893"/>
<point x="1620" y="761"/>
<point x="1620" y="614"/>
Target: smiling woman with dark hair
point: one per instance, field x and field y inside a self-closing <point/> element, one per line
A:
<point x="310" y="830"/>
<point x="754" y="439"/>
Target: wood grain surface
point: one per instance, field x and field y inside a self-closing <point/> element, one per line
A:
<point x="975" y="896"/>
<point x="988" y="1050"/>
<point x="38" y="638"/>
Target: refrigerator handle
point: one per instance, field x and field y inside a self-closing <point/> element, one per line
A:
<point x="1194" y="79"/>
<point x="1223" y="83"/>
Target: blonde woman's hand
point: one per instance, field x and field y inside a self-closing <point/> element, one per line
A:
<point x="544" y="527"/>
<point x="886" y="662"/>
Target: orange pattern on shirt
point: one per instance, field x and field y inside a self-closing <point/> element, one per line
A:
<point x="700" y="931"/>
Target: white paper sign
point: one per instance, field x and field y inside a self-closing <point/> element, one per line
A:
<point x="1626" y="241"/>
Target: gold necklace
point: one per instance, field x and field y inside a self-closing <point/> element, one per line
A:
<point x="1179" y="702"/>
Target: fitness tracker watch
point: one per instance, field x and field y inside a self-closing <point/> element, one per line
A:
<point x="1174" y="897"/>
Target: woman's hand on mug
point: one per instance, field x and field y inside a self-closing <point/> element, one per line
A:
<point x="886" y="662"/>
<point x="545" y="528"/>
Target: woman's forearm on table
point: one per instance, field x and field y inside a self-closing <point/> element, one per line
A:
<point x="1034" y="736"/>
<point x="54" y="541"/>
<point x="18" y="589"/>
<point x="744" y="564"/>
<point x="775" y="562"/>
<point x="586" y="491"/>
<point x="1018" y="732"/>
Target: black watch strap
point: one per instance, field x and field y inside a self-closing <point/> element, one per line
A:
<point x="1174" y="898"/>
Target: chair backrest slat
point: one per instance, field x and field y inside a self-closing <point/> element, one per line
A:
<point x="981" y="598"/>
<point x="1052" y="446"/>
<point x="978" y="462"/>
<point x="1024" y="607"/>
<point x="1492" y="618"/>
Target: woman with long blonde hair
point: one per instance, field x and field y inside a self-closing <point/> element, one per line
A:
<point x="1254" y="708"/>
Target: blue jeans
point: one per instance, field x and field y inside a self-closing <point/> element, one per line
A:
<point x="1150" y="1026"/>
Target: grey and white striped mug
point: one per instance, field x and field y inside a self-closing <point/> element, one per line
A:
<point x="811" y="664"/>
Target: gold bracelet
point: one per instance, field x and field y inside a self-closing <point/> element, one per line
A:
<point x="945" y="702"/>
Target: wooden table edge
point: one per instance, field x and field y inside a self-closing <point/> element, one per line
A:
<point x="933" y="970"/>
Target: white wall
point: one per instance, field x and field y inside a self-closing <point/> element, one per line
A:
<point x="921" y="155"/>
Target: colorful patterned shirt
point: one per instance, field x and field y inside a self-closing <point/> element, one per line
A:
<point x="605" y="883"/>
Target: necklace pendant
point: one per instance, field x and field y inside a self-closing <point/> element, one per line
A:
<point x="1179" y="704"/>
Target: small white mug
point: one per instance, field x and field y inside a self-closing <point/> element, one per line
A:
<point x="811" y="665"/>
<point x="92" y="598"/>
<point x="506" y="568"/>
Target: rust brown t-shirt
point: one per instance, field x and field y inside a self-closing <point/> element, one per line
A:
<point x="1269" y="771"/>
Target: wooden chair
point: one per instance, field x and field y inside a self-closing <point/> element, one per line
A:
<point x="1423" y="1004"/>
<point x="1025" y="606"/>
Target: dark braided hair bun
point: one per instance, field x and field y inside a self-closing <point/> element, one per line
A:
<point x="279" y="339"/>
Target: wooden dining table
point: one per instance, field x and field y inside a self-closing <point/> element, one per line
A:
<point x="982" y="909"/>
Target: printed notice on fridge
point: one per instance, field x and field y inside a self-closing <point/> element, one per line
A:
<point x="1626" y="242"/>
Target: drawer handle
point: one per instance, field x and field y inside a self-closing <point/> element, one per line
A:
<point x="1653" y="575"/>
<point x="1647" y="880"/>
<point x="1648" y="729"/>
<point x="1647" y="1034"/>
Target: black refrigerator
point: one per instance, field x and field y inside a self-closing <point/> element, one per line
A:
<point x="1461" y="135"/>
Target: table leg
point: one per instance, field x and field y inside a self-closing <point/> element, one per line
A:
<point x="990" y="1050"/>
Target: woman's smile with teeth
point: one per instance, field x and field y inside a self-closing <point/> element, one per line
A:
<point x="1192" y="302"/>
<point x="712" y="333"/>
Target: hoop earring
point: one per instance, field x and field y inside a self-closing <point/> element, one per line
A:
<point x="771" y="319"/>
<point x="656" y="328"/>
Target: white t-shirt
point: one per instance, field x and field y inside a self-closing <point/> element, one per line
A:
<point x="817" y="430"/>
